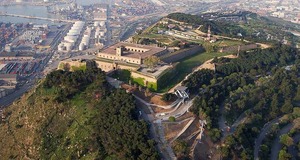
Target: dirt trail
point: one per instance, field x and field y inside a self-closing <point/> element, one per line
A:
<point x="264" y="46"/>
<point x="276" y="146"/>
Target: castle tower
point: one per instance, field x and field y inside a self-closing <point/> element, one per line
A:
<point x="208" y="33"/>
<point x="119" y="51"/>
<point x="239" y="49"/>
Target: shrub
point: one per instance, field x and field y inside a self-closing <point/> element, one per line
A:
<point x="167" y="97"/>
<point x="172" y="119"/>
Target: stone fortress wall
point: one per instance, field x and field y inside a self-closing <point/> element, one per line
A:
<point x="181" y="54"/>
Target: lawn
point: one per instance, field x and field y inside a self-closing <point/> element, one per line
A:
<point x="227" y="42"/>
<point x="152" y="36"/>
<point x="188" y="64"/>
<point x="122" y="75"/>
<point x="162" y="38"/>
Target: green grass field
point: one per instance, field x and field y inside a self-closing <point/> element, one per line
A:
<point x="165" y="39"/>
<point x="188" y="64"/>
<point x="122" y="75"/>
<point x="227" y="42"/>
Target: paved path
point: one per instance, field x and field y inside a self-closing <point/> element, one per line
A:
<point x="192" y="149"/>
<point x="292" y="149"/>
<point x="168" y="106"/>
<point x="154" y="105"/>
<point x="193" y="134"/>
<point x="241" y="119"/>
<point x="163" y="140"/>
<point x="276" y="146"/>
<point x="183" y="130"/>
<point x="262" y="135"/>
<point x="179" y="122"/>
<point x="153" y="134"/>
<point x="222" y="122"/>
<point x="145" y="103"/>
<point x="158" y="135"/>
<point x="159" y="115"/>
<point x="179" y="112"/>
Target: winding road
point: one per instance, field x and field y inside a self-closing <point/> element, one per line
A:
<point x="222" y="122"/>
<point x="262" y="135"/>
<point x="276" y="146"/>
<point x="292" y="149"/>
<point x="153" y="134"/>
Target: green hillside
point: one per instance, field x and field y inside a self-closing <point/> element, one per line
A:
<point x="258" y="86"/>
<point x="75" y="115"/>
<point x="246" y="25"/>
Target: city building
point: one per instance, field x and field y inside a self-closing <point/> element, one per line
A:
<point x="34" y="35"/>
<point x="100" y="12"/>
<point x="8" y="48"/>
<point x="9" y="78"/>
<point x="16" y="56"/>
<point x="71" y="38"/>
<point x="208" y="34"/>
<point x="85" y="41"/>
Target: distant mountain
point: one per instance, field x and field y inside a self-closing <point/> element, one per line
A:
<point x="75" y="115"/>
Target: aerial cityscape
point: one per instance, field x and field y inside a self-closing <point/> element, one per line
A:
<point x="150" y="79"/>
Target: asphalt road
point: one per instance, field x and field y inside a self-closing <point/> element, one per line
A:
<point x="9" y="99"/>
<point x="276" y="143"/>
<point x="178" y="112"/>
<point x="262" y="136"/>
<point x="292" y="149"/>
<point x="222" y="123"/>
<point x="153" y="135"/>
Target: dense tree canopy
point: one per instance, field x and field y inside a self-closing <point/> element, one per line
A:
<point x="260" y="85"/>
<point x="119" y="132"/>
<point x="246" y="25"/>
<point x="75" y="115"/>
<point x="259" y="61"/>
<point x="199" y="78"/>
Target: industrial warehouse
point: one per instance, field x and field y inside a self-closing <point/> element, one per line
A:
<point x="72" y="36"/>
<point x="83" y="36"/>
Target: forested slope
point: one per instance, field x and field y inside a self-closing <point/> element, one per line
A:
<point x="250" y="26"/>
<point x="260" y="85"/>
<point x="75" y="115"/>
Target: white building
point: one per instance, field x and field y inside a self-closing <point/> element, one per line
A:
<point x="71" y="38"/>
<point x="278" y="14"/>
